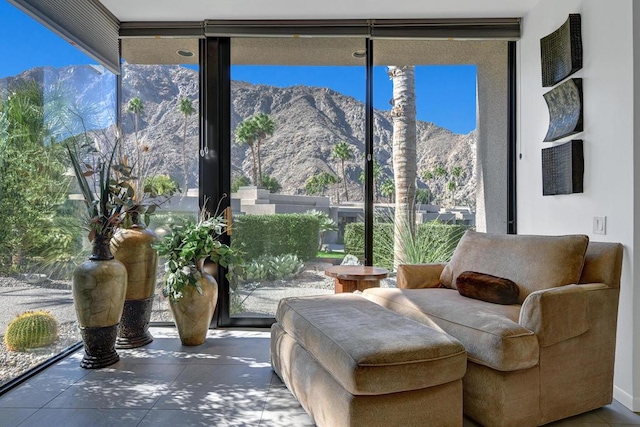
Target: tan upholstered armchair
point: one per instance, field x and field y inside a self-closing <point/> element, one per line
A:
<point x="547" y="357"/>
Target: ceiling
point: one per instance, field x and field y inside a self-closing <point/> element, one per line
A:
<point x="198" y="10"/>
<point x="299" y="51"/>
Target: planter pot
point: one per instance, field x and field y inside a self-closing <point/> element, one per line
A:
<point x="132" y="247"/>
<point x="99" y="288"/>
<point x="194" y="311"/>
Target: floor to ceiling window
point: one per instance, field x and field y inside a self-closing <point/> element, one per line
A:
<point x="50" y="95"/>
<point x="298" y="143"/>
<point x="429" y="143"/>
<point x="297" y="155"/>
<point x="160" y="116"/>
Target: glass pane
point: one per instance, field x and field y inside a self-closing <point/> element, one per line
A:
<point x="297" y="155"/>
<point x="161" y="133"/>
<point x="425" y="144"/>
<point x="48" y="94"/>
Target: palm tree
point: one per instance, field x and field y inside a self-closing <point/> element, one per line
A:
<point x="403" y="114"/>
<point x="388" y="188"/>
<point x="342" y="151"/>
<point x="377" y="173"/>
<point x="451" y="187"/>
<point x="428" y="178"/>
<point x="246" y="134"/>
<point x="456" y="173"/>
<point x="135" y="107"/>
<point x="439" y="171"/>
<point x="186" y="108"/>
<point x="264" y="127"/>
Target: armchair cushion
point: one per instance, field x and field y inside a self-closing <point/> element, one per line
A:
<point x="532" y="262"/>
<point x="419" y="276"/>
<point x="490" y="332"/>
<point x="556" y="314"/>
<point x="487" y="288"/>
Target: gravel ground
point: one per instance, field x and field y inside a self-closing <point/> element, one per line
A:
<point x="19" y="296"/>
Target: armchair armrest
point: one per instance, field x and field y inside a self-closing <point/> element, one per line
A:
<point x="419" y="276"/>
<point x="557" y="314"/>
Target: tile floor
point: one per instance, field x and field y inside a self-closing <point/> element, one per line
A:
<point x="227" y="381"/>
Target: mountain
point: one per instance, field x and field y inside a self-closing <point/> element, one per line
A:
<point x="309" y="122"/>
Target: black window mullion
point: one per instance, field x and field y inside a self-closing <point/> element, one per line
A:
<point x="512" y="140"/>
<point x="369" y="158"/>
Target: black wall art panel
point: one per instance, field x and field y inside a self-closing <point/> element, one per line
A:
<point x="563" y="169"/>
<point x="565" y="110"/>
<point x="561" y="51"/>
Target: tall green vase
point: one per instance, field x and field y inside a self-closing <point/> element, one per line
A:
<point x="132" y="247"/>
<point x="194" y="311"/>
<point x="99" y="288"/>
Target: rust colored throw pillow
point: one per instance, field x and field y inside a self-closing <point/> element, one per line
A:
<point x="487" y="288"/>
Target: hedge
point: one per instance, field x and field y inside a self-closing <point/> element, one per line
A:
<point x="435" y="241"/>
<point x="280" y="234"/>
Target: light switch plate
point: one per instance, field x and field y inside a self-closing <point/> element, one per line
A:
<point x="599" y="225"/>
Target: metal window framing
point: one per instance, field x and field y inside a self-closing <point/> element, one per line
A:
<point x="498" y="28"/>
<point x="84" y="23"/>
<point x="468" y="28"/>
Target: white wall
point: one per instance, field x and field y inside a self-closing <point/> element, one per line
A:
<point x="608" y="82"/>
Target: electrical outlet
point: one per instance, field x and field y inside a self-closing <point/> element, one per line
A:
<point x="599" y="225"/>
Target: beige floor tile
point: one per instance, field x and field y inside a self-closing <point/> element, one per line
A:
<point x="10" y="417"/>
<point x="48" y="417"/>
<point x="122" y="385"/>
<point x="617" y="413"/>
<point x="227" y="381"/>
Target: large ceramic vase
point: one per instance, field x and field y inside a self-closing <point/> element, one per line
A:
<point x="194" y="311"/>
<point x="99" y="288"/>
<point x="132" y="247"/>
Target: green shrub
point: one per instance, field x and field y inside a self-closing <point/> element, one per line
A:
<point x="433" y="242"/>
<point x="268" y="267"/>
<point x="31" y="329"/>
<point x="256" y="235"/>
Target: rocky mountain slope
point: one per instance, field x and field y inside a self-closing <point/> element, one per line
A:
<point x="309" y="122"/>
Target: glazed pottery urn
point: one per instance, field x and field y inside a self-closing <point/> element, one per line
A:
<point x="99" y="288"/>
<point x="132" y="247"/>
<point x="194" y="311"/>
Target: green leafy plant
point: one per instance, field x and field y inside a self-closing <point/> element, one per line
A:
<point x="239" y="181"/>
<point x="269" y="267"/>
<point x="31" y="329"/>
<point x="33" y="180"/>
<point x="187" y="247"/>
<point x="432" y="242"/>
<point x="271" y="184"/>
<point x="280" y="234"/>
<point x="106" y="196"/>
<point x="325" y="223"/>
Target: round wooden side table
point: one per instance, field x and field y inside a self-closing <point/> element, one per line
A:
<point x="349" y="278"/>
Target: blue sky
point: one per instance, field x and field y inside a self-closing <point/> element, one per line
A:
<point x="445" y="95"/>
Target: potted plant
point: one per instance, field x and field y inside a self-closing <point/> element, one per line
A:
<point x="191" y="290"/>
<point x="132" y="243"/>
<point x="99" y="284"/>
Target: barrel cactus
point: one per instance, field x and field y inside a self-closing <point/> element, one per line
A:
<point x="31" y="329"/>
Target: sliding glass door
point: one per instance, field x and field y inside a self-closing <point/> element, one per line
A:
<point x="312" y="169"/>
<point x="297" y="154"/>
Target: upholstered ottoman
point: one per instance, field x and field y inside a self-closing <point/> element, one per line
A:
<point x="351" y="362"/>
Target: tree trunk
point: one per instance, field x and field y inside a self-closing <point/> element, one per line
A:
<point x="344" y="180"/>
<point x="253" y="164"/>
<point x="259" y="166"/>
<point x="404" y="158"/>
<point x="184" y="159"/>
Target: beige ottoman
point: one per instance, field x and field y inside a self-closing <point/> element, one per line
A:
<point x="351" y="362"/>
